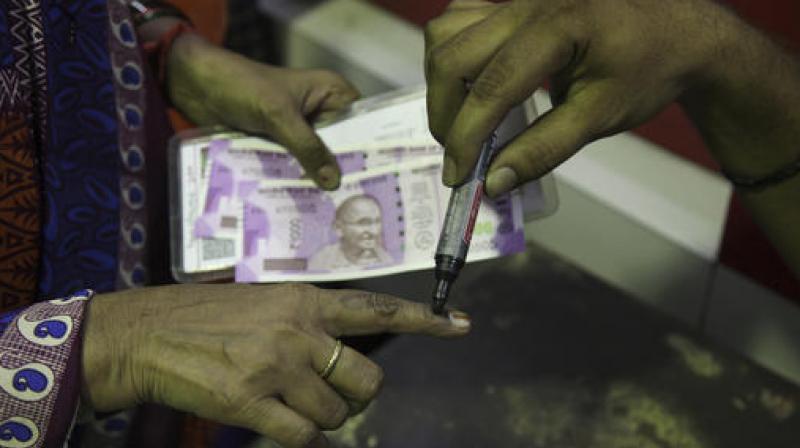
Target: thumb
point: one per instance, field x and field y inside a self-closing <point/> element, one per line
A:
<point x="551" y="140"/>
<point x="327" y="94"/>
<point x="295" y="133"/>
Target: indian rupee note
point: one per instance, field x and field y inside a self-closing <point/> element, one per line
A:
<point x="378" y="222"/>
<point x="235" y="168"/>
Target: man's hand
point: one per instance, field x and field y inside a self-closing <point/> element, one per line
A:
<point x="612" y="64"/>
<point x="245" y="355"/>
<point x="211" y="85"/>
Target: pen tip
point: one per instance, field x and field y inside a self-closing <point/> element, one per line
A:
<point x="440" y="296"/>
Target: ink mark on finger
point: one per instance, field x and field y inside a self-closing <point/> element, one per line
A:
<point x="384" y="306"/>
<point x="381" y="305"/>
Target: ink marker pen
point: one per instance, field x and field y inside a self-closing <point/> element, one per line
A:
<point x="465" y="201"/>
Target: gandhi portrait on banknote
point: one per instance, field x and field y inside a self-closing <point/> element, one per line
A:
<point x="358" y="223"/>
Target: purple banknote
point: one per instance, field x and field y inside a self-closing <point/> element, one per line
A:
<point x="237" y="169"/>
<point x="378" y="222"/>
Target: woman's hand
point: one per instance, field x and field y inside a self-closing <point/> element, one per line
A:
<point x="245" y="355"/>
<point x="214" y="86"/>
<point x="612" y="64"/>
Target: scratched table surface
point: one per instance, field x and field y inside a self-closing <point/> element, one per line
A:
<point x="557" y="359"/>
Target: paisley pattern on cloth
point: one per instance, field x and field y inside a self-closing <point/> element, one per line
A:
<point x="131" y="101"/>
<point x="80" y="161"/>
<point x="40" y="371"/>
<point x="94" y="233"/>
<point x="73" y="112"/>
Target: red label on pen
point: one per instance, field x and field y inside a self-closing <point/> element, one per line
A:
<point x="473" y="213"/>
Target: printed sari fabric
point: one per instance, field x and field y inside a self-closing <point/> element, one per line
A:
<point x="79" y="200"/>
<point x="23" y="95"/>
<point x="40" y="371"/>
<point x="94" y="221"/>
<point x="72" y="150"/>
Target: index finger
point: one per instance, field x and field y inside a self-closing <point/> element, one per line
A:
<point x="352" y="313"/>
<point x="511" y="76"/>
<point x="455" y="53"/>
<point x="293" y="131"/>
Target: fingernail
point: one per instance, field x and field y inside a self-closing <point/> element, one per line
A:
<point x="460" y="319"/>
<point x="501" y="181"/>
<point x="449" y="172"/>
<point x="328" y="177"/>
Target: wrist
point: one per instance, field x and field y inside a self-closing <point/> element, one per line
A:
<point x="740" y="98"/>
<point x="159" y="25"/>
<point x="720" y="33"/>
<point x="185" y="70"/>
<point x="109" y="336"/>
<point x="188" y="50"/>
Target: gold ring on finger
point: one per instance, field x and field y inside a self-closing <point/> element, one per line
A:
<point x="334" y="359"/>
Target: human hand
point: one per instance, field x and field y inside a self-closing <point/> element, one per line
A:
<point x="245" y="355"/>
<point x="214" y="86"/>
<point x="612" y="64"/>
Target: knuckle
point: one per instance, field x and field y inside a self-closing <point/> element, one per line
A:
<point x="438" y="130"/>
<point x="335" y="415"/>
<point x="420" y="314"/>
<point x="289" y="332"/>
<point x="540" y="158"/>
<point x="256" y="414"/>
<point x="230" y="397"/>
<point x="439" y="122"/>
<point x="371" y="383"/>
<point x="437" y="31"/>
<point x="300" y="434"/>
<point x="310" y="150"/>
<point x="272" y="366"/>
<point x="385" y="306"/>
<point x="436" y="123"/>
<point x="490" y="85"/>
<point x="433" y="30"/>
<point x="336" y="84"/>
<point x="438" y="63"/>
<point x="273" y="110"/>
<point x="328" y="75"/>
<point x="344" y="95"/>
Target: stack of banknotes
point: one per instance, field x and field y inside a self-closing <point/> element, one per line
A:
<point x="384" y="218"/>
<point x="241" y="204"/>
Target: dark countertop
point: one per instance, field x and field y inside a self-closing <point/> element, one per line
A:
<point x="557" y="359"/>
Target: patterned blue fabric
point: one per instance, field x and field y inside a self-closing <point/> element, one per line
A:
<point x="94" y="223"/>
<point x="39" y="371"/>
<point x="80" y="166"/>
<point x="6" y="52"/>
<point x="7" y="318"/>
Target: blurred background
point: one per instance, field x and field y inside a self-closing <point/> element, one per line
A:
<point x="649" y="244"/>
<point x="675" y="238"/>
